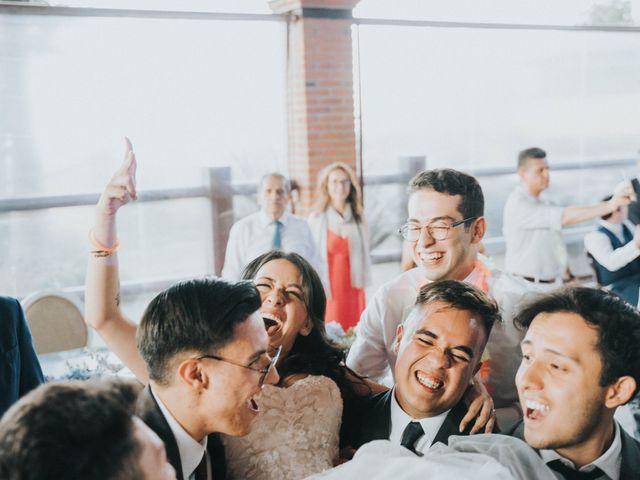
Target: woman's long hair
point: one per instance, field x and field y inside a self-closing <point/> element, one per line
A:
<point x="313" y="354"/>
<point x="355" y="195"/>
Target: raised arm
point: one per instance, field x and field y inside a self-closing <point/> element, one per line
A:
<point x="102" y="297"/>
<point x="582" y="213"/>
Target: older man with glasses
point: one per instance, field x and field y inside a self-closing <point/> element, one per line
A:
<point x="445" y="226"/>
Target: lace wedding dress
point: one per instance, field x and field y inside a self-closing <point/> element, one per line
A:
<point x="295" y="435"/>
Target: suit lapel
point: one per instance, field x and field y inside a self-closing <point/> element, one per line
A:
<point x="379" y="421"/>
<point x="216" y="455"/>
<point x="451" y="423"/>
<point x="630" y="465"/>
<point x="148" y="410"/>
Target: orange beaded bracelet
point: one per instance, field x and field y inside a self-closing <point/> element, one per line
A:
<point x="101" y="250"/>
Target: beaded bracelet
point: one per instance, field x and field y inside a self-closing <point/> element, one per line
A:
<point x="101" y="250"/>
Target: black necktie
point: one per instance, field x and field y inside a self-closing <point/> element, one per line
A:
<point x="200" y="473"/>
<point x="570" y="474"/>
<point x="412" y="433"/>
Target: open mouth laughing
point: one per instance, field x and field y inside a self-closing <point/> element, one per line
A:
<point x="272" y="323"/>
<point x="429" y="381"/>
<point x="253" y="407"/>
<point x="429" y="258"/>
<point x="535" y="410"/>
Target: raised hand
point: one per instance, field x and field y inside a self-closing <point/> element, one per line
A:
<point x="121" y="189"/>
<point x="623" y="197"/>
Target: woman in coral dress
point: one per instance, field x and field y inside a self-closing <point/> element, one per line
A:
<point x="342" y="237"/>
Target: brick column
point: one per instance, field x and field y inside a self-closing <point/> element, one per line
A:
<point x="321" y="123"/>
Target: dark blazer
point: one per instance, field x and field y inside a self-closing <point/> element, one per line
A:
<point x="630" y="465"/>
<point x="19" y="367"/>
<point x="373" y="422"/>
<point x="148" y="410"/>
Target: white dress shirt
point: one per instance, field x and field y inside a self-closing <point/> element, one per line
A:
<point x="252" y="236"/>
<point x="609" y="462"/>
<point x="599" y="245"/>
<point x="372" y="352"/>
<point x="532" y="229"/>
<point x="400" y="420"/>
<point x="191" y="451"/>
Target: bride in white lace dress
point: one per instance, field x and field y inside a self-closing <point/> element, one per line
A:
<point x="297" y="432"/>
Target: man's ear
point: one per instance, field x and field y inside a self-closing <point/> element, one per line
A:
<point x="478" y="229"/>
<point x="190" y="372"/>
<point x="620" y="392"/>
<point x="396" y="342"/>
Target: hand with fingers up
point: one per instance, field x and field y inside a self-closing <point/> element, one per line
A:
<point x="120" y="190"/>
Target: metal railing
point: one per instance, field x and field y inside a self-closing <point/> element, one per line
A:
<point x="220" y="190"/>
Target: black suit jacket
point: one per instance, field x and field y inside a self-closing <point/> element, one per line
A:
<point x="148" y="410"/>
<point x="19" y="367"/>
<point x="630" y="465"/>
<point x="373" y="421"/>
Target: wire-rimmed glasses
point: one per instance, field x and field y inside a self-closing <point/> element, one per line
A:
<point x="438" y="230"/>
<point x="264" y="372"/>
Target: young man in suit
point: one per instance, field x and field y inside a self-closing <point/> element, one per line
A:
<point x="580" y="362"/>
<point x="439" y="349"/>
<point x="20" y="370"/>
<point x="201" y="347"/>
<point x="73" y="430"/>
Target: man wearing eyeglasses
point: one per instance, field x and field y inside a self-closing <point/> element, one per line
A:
<point x="532" y="225"/>
<point x="201" y="346"/>
<point x="445" y="225"/>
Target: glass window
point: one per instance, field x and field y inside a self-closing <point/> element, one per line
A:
<point x="190" y="93"/>
<point x="473" y="98"/>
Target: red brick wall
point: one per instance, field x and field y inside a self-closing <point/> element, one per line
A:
<point x="319" y="92"/>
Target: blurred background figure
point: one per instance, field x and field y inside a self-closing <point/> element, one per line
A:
<point x="294" y="195"/>
<point x="634" y="207"/>
<point x="20" y="370"/>
<point x="615" y="247"/>
<point x="65" y="431"/>
<point x="271" y="228"/>
<point x="532" y="225"/>
<point x="342" y="236"/>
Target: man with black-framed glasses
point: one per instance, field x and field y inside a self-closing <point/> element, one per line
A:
<point x="444" y="228"/>
<point x="189" y="399"/>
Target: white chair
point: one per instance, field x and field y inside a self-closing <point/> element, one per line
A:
<point x="56" y="320"/>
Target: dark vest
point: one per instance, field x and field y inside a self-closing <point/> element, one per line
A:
<point x="607" y="277"/>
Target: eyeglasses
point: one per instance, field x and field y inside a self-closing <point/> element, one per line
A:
<point x="438" y="230"/>
<point x="263" y="371"/>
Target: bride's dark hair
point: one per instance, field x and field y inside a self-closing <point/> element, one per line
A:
<point x="313" y="354"/>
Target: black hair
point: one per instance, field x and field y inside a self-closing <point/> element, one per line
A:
<point x="66" y="431"/>
<point x="195" y="315"/>
<point x="462" y="296"/>
<point x="452" y="182"/>
<point x="607" y="216"/>
<point x="616" y="322"/>
<point x="526" y="154"/>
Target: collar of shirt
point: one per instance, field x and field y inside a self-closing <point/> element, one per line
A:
<point x="609" y="462"/>
<point x="191" y="451"/>
<point x="541" y="198"/>
<point x="266" y="220"/>
<point x="400" y="420"/>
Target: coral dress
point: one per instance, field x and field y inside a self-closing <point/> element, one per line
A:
<point x="346" y="302"/>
